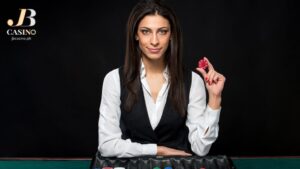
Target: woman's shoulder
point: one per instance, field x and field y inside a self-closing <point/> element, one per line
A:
<point x="196" y="77"/>
<point x="112" y="75"/>
<point x="193" y="74"/>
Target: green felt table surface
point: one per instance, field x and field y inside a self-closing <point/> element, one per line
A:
<point x="267" y="163"/>
<point x="240" y="163"/>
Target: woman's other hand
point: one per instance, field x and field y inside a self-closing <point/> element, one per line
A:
<point x="214" y="82"/>
<point x="166" y="151"/>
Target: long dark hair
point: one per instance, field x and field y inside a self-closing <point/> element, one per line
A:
<point x="173" y="56"/>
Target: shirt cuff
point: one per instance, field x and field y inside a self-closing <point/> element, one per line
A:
<point x="213" y="115"/>
<point x="149" y="149"/>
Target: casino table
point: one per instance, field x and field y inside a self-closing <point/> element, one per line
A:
<point x="83" y="163"/>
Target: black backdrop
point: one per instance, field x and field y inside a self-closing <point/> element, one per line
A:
<point x="51" y="85"/>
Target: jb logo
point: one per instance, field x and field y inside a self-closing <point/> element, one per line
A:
<point x="21" y="28"/>
<point x="22" y="17"/>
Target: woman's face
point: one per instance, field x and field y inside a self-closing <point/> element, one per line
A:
<point x="153" y="34"/>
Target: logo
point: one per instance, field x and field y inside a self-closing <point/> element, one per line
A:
<point x="24" y="28"/>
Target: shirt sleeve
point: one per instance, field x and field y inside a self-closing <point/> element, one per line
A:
<point x="110" y="142"/>
<point x="202" y="121"/>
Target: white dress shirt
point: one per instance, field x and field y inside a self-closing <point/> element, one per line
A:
<point x="202" y="121"/>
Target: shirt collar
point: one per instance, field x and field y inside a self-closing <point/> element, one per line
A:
<point x="143" y="72"/>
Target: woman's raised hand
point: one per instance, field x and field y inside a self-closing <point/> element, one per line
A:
<point x="214" y="82"/>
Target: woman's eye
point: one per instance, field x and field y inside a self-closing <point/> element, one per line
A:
<point x="163" y="32"/>
<point x="145" y="32"/>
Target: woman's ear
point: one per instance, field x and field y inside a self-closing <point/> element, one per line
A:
<point x="136" y="37"/>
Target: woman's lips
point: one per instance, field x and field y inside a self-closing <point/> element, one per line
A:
<point x="154" y="50"/>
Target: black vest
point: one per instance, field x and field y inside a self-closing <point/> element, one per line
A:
<point x="171" y="130"/>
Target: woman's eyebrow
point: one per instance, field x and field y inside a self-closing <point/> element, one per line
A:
<point x="164" y="27"/>
<point x="144" y="28"/>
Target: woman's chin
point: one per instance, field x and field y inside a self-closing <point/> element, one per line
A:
<point x="153" y="57"/>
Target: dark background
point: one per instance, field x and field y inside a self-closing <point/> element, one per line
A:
<point x="51" y="86"/>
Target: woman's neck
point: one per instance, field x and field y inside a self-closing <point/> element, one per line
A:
<point x="154" y="66"/>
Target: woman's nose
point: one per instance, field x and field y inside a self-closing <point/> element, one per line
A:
<point x="154" y="40"/>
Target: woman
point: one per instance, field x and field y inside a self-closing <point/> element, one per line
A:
<point x="151" y="106"/>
